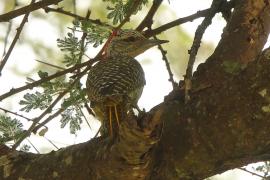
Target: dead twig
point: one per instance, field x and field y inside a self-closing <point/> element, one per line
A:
<point x="148" y="19"/>
<point x="61" y="11"/>
<point x="19" y="30"/>
<point x="196" y="44"/>
<point x="203" y="13"/>
<point x="164" y="57"/>
<point x="14" y="113"/>
<point x="27" y="9"/>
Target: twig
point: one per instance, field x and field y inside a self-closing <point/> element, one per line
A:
<point x="49" y="64"/>
<point x="27" y="9"/>
<point x="203" y="13"/>
<point x="164" y="57"/>
<point x="51" y="142"/>
<point x="85" y="118"/>
<point x="38" y="82"/>
<point x="33" y="146"/>
<point x="61" y="11"/>
<point x="255" y="174"/>
<point x="14" y="113"/>
<point x="89" y="110"/>
<point x="148" y="19"/>
<point x="196" y="44"/>
<point x="49" y="109"/>
<point x="48" y="119"/>
<point x="19" y="30"/>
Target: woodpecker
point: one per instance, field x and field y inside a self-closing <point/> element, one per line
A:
<point x="115" y="83"/>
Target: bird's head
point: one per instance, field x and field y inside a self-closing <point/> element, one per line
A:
<point x="130" y="43"/>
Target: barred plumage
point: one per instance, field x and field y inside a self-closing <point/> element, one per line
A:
<point x="115" y="84"/>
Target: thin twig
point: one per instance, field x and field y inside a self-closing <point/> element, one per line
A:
<point x="61" y="11"/>
<point x="8" y="30"/>
<point x="255" y="174"/>
<point x="196" y="44"/>
<point x="148" y="19"/>
<point x="85" y="118"/>
<point x="33" y="145"/>
<point x="89" y="110"/>
<point x="49" y="109"/>
<point x="14" y="113"/>
<point x="203" y="13"/>
<point x="19" y="30"/>
<point x="6" y="38"/>
<point x="48" y="119"/>
<point x="27" y="9"/>
<point x="49" y="64"/>
<point x="38" y="82"/>
<point x="164" y="57"/>
<point x="51" y="142"/>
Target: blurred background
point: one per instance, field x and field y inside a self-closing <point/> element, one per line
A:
<point x="38" y="42"/>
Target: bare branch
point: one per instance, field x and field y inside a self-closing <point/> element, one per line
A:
<point x="202" y="13"/>
<point x="61" y="11"/>
<point x="196" y="44"/>
<point x="27" y="9"/>
<point x="14" y="113"/>
<point x="164" y="57"/>
<point x="48" y="119"/>
<point x="33" y="145"/>
<point x="19" y="30"/>
<point x="51" y="142"/>
<point x="49" y="64"/>
<point x="148" y="19"/>
<point x="255" y="174"/>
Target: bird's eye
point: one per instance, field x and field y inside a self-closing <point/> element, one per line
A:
<point x="130" y="39"/>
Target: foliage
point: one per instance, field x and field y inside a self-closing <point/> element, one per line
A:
<point x="71" y="45"/>
<point x="119" y="9"/>
<point x="72" y="116"/>
<point x="95" y="33"/>
<point x="10" y="129"/>
<point x="35" y="100"/>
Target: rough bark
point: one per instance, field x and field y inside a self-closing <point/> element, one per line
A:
<point x="225" y="124"/>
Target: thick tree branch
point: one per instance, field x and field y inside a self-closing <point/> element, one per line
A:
<point x="27" y="9"/>
<point x="245" y="35"/>
<point x="219" y="135"/>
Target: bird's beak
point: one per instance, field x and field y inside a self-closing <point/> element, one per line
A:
<point x="154" y="42"/>
<point x="145" y="44"/>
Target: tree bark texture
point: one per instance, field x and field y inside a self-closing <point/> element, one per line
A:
<point x="225" y="124"/>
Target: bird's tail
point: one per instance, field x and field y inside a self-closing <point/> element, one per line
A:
<point x="115" y="113"/>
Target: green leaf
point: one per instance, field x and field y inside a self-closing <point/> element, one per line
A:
<point x="10" y="129"/>
<point x="35" y="100"/>
<point x="73" y="116"/>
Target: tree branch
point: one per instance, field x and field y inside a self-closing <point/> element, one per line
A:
<point x="196" y="44"/>
<point x="27" y="9"/>
<point x="19" y="30"/>
<point x="148" y="19"/>
<point x="202" y="13"/>
<point x="38" y="82"/>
